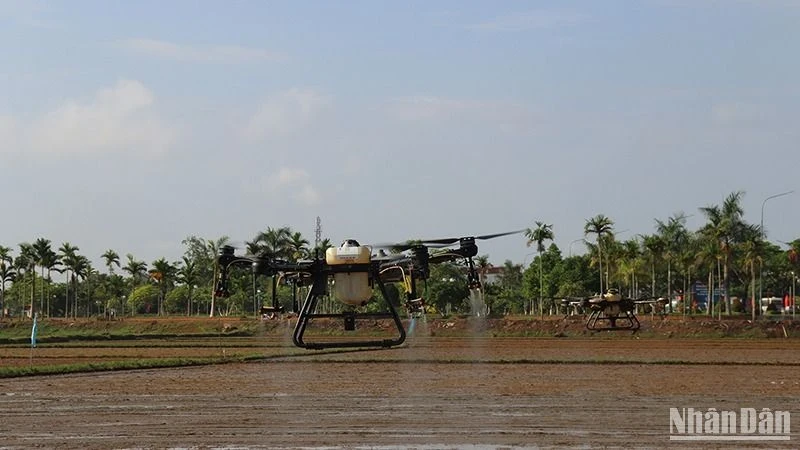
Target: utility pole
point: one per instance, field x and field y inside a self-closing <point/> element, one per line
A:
<point x="761" y="266"/>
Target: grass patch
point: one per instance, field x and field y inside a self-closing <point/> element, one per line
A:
<point x="62" y="369"/>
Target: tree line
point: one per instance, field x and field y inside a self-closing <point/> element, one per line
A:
<point x="726" y="255"/>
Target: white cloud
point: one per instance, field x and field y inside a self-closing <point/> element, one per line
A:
<point x="288" y="177"/>
<point x="290" y="182"/>
<point x="118" y="119"/>
<point x="308" y="195"/>
<point x="530" y="20"/>
<point x="213" y="54"/>
<point x="285" y="113"/>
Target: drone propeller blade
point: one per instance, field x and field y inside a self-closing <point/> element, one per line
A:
<point x="453" y="240"/>
<point x="401" y="247"/>
<point x="496" y="235"/>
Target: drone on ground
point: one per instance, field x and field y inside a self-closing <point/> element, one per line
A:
<point x="355" y="270"/>
<point x="611" y="311"/>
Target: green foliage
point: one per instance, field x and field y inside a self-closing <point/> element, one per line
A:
<point x="447" y="285"/>
<point x="176" y="300"/>
<point x="144" y="299"/>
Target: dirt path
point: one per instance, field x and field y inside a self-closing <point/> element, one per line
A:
<point x="434" y="393"/>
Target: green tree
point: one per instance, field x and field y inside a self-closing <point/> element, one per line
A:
<point x="542" y="232"/>
<point x="600" y="226"/>
<point x="275" y="242"/>
<point x="136" y="269"/>
<point x="177" y="299"/>
<point x="7" y="275"/>
<point x="143" y="297"/>
<point x="50" y="262"/>
<point x="654" y="247"/>
<point x="753" y="247"/>
<point x="298" y="247"/>
<point x="725" y="225"/>
<point x="42" y="251"/>
<point x="674" y="235"/>
<point x="68" y="253"/>
<point x="112" y="259"/>
<point x="164" y="274"/>
<point x="189" y="275"/>
<point x="447" y="285"/>
<point x="79" y="268"/>
<point x="26" y="261"/>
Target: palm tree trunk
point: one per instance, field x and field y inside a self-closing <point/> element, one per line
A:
<point x="33" y="290"/>
<point x="710" y="294"/>
<point x="753" y="304"/>
<point x="600" y="263"/>
<point x="41" y="297"/>
<point x="727" y="283"/>
<point x="669" y="284"/>
<point x="541" y="287"/>
<point x="66" y="300"/>
<point x="653" y="287"/>
<point x="720" y="288"/>
<point x="213" y="288"/>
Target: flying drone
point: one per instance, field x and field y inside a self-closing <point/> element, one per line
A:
<point x="355" y="271"/>
<point x="611" y="311"/>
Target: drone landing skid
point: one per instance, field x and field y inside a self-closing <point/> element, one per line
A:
<point x="307" y="312"/>
<point x="599" y="321"/>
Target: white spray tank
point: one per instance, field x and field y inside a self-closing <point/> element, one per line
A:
<point x="351" y="288"/>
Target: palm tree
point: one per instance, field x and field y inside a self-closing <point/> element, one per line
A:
<point x="79" y="268"/>
<point x="274" y="242"/>
<point x="213" y="248"/>
<point x="28" y="257"/>
<point x="136" y="269"/>
<point x="189" y="275"/>
<point x="753" y="253"/>
<point x="709" y="255"/>
<point x="7" y="274"/>
<point x="164" y="273"/>
<point x="674" y="235"/>
<point x="68" y="253"/>
<point x="600" y="226"/>
<point x="725" y="225"/>
<point x="112" y="258"/>
<point x="630" y="262"/>
<point x="41" y="249"/>
<point x="252" y="248"/>
<point x="322" y="247"/>
<point x="482" y="265"/>
<point x="50" y="262"/>
<point x="298" y="246"/>
<point x="542" y="232"/>
<point x="655" y="248"/>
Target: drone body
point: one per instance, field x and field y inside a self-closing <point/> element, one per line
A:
<point x="354" y="273"/>
<point x="611" y="311"/>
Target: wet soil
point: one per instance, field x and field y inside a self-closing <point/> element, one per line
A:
<point x="436" y="391"/>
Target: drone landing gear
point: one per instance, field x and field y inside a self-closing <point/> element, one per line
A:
<point x="270" y="312"/>
<point x="602" y="320"/>
<point x="308" y="312"/>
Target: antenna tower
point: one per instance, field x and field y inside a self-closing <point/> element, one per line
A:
<point x="318" y="233"/>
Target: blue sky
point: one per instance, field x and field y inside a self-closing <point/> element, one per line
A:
<point x="131" y="125"/>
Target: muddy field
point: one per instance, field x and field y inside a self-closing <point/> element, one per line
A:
<point x="434" y="392"/>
